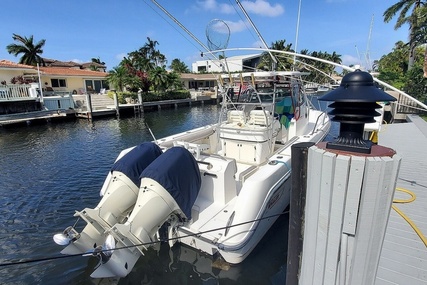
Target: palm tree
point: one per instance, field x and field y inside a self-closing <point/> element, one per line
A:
<point x="404" y="6"/>
<point x="420" y="32"/>
<point x="118" y="77"/>
<point x="29" y="50"/>
<point x="284" y="63"/>
<point x="159" y="78"/>
<point x="179" y="66"/>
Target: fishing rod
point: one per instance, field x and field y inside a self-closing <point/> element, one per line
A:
<point x="257" y="32"/>
<point x="184" y="28"/>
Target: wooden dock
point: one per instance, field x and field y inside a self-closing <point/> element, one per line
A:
<point x="404" y="255"/>
<point x="22" y="118"/>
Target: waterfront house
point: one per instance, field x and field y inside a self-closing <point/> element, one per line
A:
<point x="20" y="90"/>
<point x="238" y="63"/>
<point x="57" y="76"/>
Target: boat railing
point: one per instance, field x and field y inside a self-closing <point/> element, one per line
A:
<point x="322" y="115"/>
<point x="405" y="105"/>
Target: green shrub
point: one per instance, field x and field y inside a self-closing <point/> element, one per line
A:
<point x="151" y="96"/>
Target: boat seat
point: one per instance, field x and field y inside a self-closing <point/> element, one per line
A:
<point x="218" y="182"/>
<point x="236" y="116"/>
<point x="259" y="117"/>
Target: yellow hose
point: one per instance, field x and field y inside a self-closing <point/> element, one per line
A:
<point x="405" y="217"/>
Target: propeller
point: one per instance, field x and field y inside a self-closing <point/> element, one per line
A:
<point x="67" y="236"/>
<point x="105" y="251"/>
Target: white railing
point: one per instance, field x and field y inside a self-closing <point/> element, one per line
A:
<point x="14" y="92"/>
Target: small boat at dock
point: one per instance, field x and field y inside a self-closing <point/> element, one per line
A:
<point x="217" y="189"/>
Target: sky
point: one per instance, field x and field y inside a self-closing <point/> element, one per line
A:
<point x="78" y="30"/>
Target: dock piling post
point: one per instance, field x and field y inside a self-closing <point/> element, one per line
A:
<point x="116" y="103"/>
<point x="296" y="212"/>
<point x="89" y="106"/>
<point x="350" y="188"/>
<point x="141" y="106"/>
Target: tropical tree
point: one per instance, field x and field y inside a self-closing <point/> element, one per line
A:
<point x="284" y="62"/>
<point x="173" y="80"/>
<point x="159" y="78"/>
<point x="118" y="77"/>
<point x="404" y="6"/>
<point x="178" y="66"/>
<point x="393" y="69"/>
<point x="420" y="33"/>
<point x="30" y="51"/>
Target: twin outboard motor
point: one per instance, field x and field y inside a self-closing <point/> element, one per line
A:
<point x="119" y="198"/>
<point x="127" y="219"/>
<point x="169" y="188"/>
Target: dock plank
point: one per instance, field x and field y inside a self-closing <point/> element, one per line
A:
<point x="404" y="256"/>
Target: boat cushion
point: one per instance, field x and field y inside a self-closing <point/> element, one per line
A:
<point x="135" y="161"/>
<point x="178" y="172"/>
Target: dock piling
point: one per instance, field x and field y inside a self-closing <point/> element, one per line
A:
<point x="296" y="212"/>
<point x="116" y="103"/>
<point x="89" y="106"/>
<point x="350" y="188"/>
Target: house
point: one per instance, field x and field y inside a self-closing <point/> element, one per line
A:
<point x="9" y="70"/>
<point x="57" y="76"/>
<point x="234" y="64"/>
<point x="193" y="81"/>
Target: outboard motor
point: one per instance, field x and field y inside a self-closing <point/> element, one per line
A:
<point x="118" y="200"/>
<point x="169" y="188"/>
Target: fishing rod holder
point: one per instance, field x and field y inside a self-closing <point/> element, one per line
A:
<point x="354" y="104"/>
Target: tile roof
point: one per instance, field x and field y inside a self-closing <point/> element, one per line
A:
<point x="10" y="64"/>
<point x="71" y="72"/>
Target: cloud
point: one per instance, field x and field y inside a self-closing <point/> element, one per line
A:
<point x="213" y="5"/>
<point x="263" y="8"/>
<point x="236" y="27"/>
<point x="78" y="60"/>
<point x="349" y="60"/>
<point x="120" y="56"/>
<point x="258" y="7"/>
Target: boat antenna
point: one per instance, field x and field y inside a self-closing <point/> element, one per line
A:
<point x="296" y="35"/>
<point x="367" y="57"/>
<point x="152" y="135"/>
<point x="258" y="34"/>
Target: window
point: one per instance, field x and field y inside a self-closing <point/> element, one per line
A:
<point x="57" y="82"/>
<point x="95" y="85"/>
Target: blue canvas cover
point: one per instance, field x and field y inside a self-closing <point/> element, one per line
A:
<point x="135" y="161"/>
<point x="178" y="172"/>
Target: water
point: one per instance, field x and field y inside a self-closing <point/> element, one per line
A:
<point x="49" y="171"/>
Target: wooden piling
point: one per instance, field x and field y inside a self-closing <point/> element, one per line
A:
<point x="296" y="212"/>
<point x="349" y="197"/>
<point x="89" y="106"/>
<point x="116" y="104"/>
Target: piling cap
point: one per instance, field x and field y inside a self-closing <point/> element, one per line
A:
<point x="357" y="86"/>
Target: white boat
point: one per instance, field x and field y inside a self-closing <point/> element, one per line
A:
<point x="217" y="188"/>
<point x="322" y="88"/>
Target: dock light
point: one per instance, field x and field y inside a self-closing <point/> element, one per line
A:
<point x="354" y="104"/>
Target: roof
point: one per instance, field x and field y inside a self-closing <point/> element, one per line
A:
<point x="57" y="63"/>
<point x="54" y="71"/>
<point x="58" y="71"/>
<point x="9" y="64"/>
<point x="198" y="76"/>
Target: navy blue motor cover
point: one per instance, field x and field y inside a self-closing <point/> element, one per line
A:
<point x="178" y="172"/>
<point x="135" y="161"/>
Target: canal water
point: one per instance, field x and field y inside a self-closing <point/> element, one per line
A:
<point x="49" y="171"/>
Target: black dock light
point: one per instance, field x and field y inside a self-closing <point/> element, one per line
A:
<point x="355" y="101"/>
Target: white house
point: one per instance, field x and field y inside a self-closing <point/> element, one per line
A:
<point x="235" y="64"/>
